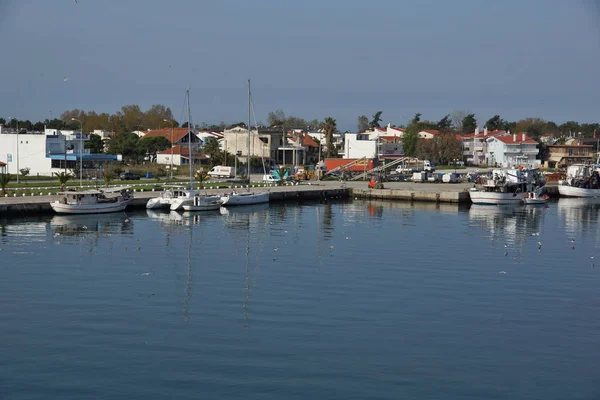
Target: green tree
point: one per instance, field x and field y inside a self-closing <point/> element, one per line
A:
<point x="127" y="144"/>
<point x="152" y="145"/>
<point x="63" y="178"/>
<point x="276" y="118"/>
<point x="569" y="127"/>
<point x="410" y="140"/>
<point x="330" y="127"/>
<point x="363" y="123"/>
<point x="108" y="177"/>
<point x="213" y="150"/>
<point x="376" y="120"/>
<point x="4" y="180"/>
<point x="444" y="124"/>
<point x="469" y="124"/>
<point x="24" y="171"/>
<point x="95" y="144"/>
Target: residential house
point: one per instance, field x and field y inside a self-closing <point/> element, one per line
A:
<point x="475" y="145"/>
<point x="305" y="150"/>
<point x="512" y="150"/>
<point x="428" y="134"/>
<point x="179" y="155"/>
<point x="177" y="136"/>
<point x="390" y="147"/>
<point x="563" y="155"/>
<point x="264" y="143"/>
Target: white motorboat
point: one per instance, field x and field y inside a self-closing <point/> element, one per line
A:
<point x="91" y="201"/>
<point x="187" y="198"/>
<point x="163" y="201"/>
<point x="203" y="203"/>
<point x="534" y="198"/>
<point x="246" y="198"/>
<point x="507" y="186"/>
<point x="582" y="180"/>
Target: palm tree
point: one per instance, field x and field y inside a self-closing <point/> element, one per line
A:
<point x="281" y="173"/>
<point x="4" y="179"/>
<point x="330" y="127"/>
<point x="212" y="149"/>
<point x="63" y="178"/>
<point x="201" y="177"/>
<point x="107" y="177"/>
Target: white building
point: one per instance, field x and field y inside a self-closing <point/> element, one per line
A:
<point x="48" y="152"/>
<point x="475" y="145"/>
<point x="512" y="150"/>
<point x="358" y="145"/>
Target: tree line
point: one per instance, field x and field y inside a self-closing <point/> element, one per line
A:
<point x="462" y="122"/>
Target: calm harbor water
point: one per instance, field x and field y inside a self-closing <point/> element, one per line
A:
<point x="357" y="300"/>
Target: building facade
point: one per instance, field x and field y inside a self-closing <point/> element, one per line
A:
<point x="512" y="150"/>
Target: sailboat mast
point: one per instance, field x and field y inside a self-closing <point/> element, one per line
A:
<point x="248" y="134"/>
<point x="191" y="160"/>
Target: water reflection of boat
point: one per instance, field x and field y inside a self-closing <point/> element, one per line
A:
<point x="242" y="216"/>
<point x="578" y="212"/>
<point x="510" y="222"/>
<point x="81" y="224"/>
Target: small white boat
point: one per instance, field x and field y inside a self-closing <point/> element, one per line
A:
<point x="91" y="201"/>
<point x="533" y="198"/>
<point x="163" y="201"/>
<point x="244" y="198"/>
<point x="187" y="197"/>
<point x="203" y="203"/>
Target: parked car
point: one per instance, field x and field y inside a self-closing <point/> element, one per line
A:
<point x="128" y="176"/>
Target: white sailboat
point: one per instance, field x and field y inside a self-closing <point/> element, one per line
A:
<point x="175" y="200"/>
<point x="247" y="197"/>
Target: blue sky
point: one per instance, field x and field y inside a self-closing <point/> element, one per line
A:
<point x="310" y="58"/>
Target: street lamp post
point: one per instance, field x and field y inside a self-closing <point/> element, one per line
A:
<point x="80" y="151"/>
<point x="171" y="169"/>
<point x="10" y="119"/>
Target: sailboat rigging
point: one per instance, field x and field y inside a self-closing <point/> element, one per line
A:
<point x="247" y="197"/>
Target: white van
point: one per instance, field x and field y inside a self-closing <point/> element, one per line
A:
<point x="220" y="171"/>
<point x="269" y="178"/>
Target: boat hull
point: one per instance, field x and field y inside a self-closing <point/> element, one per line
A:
<point x="210" y="206"/>
<point x="99" y="208"/>
<point x="572" y="191"/>
<point x="493" y="198"/>
<point x="245" y="199"/>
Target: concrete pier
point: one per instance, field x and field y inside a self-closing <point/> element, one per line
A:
<point x="406" y="191"/>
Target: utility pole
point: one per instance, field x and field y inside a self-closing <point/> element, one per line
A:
<point x="171" y="168"/>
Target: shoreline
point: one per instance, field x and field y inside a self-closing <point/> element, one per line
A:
<point x="449" y="193"/>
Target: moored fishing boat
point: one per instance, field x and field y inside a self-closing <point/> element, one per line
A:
<point x="91" y="201"/>
<point x="507" y="186"/>
<point x="582" y="180"/>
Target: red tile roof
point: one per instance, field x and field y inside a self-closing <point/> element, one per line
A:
<point x="306" y="140"/>
<point x="2" y="163"/>
<point x="510" y="139"/>
<point x="183" y="151"/>
<point x="432" y="131"/>
<point x="178" y="134"/>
